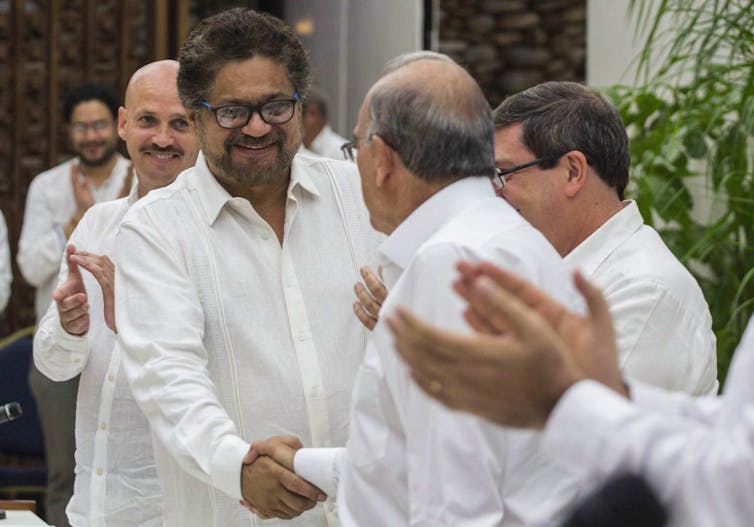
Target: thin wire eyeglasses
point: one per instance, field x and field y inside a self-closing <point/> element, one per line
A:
<point x="96" y="126"/>
<point x="504" y="174"/>
<point x="351" y="148"/>
<point x="233" y="116"/>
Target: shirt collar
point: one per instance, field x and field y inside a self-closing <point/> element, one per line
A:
<point x="213" y="196"/>
<point x="590" y="253"/>
<point x="431" y="215"/>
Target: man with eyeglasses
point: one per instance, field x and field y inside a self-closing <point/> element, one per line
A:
<point x="562" y="155"/>
<point x="56" y="201"/>
<point x="233" y="285"/>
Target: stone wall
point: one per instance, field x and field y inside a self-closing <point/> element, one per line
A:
<point x="510" y="45"/>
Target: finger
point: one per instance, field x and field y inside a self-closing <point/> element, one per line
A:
<point x="250" y="456"/>
<point x="291" y="441"/>
<point x="376" y="287"/>
<point x="502" y="308"/>
<point x="299" y="486"/>
<point x="76" y="326"/>
<point x="479" y="324"/>
<point x="370" y="305"/>
<point x="72" y="303"/>
<point x="595" y="300"/>
<point x="365" y="318"/>
<point x="295" y="504"/>
<point x="425" y="347"/>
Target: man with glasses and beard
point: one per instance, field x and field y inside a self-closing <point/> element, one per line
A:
<point x="233" y="285"/>
<point x="57" y="199"/>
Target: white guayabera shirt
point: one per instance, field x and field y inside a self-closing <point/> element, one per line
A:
<point x="662" y="321"/>
<point x="229" y="337"/>
<point x="697" y="453"/>
<point x="50" y="204"/>
<point x="116" y="478"/>
<point x="410" y="460"/>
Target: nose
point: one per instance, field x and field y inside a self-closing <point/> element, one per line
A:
<point x="163" y="138"/>
<point x="90" y="134"/>
<point x="256" y="127"/>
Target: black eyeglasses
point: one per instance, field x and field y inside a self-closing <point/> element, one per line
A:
<point x="504" y="174"/>
<point x="238" y="115"/>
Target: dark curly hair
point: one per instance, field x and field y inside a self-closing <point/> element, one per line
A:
<point x="90" y="91"/>
<point x="238" y="34"/>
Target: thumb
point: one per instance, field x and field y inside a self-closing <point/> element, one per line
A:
<point x="598" y="309"/>
<point x="73" y="268"/>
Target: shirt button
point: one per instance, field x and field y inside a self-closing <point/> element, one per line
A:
<point x="100" y="471"/>
<point x="103" y="426"/>
<point x="77" y="361"/>
<point x="111" y="378"/>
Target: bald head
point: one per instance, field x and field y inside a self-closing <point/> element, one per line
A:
<point x="155" y="127"/>
<point x="433" y="114"/>
<point x="149" y="76"/>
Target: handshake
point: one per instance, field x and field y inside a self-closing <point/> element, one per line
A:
<point x="269" y="486"/>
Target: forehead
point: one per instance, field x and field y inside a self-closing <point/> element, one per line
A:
<point x="508" y="142"/>
<point x="252" y="79"/>
<point x="92" y="110"/>
<point x="150" y="96"/>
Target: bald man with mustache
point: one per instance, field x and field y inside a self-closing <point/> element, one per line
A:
<point x="116" y="479"/>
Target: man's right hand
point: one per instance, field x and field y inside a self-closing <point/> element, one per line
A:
<point x="274" y="491"/>
<point x="71" y="300"/>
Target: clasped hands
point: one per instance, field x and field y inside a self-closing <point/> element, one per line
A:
<point x="269" y="486"/>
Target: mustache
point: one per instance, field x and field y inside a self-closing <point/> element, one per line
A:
<point x="162" y="149"/>
<point x="251" y="142"/>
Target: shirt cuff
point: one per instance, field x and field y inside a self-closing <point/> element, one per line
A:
<point x="581" y="424"/>
<point x="319" y="466"/>
<point x="226" y="465"/>
<point x="77" y="346"/>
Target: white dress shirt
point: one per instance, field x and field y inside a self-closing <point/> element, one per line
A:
<point x="662" y="321"/>
<point x="697" y="453"/>
<point x="229" y="337"/>
<point x="116" y="477"/>
<point x="328" y="143"/>
<point x="6" y="274"/>
<point x="410" y="460"/>
<point x="50" y="204"/>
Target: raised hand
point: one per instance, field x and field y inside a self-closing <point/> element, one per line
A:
<point x="82" y="194"/>
<point x="370" y="295"/>
<point x="271" y="490"/>
<point x="71" y="299"/>
<point x="529" y="351"/>
<point x="103" y="271"/>
<point x="81" y="191"/>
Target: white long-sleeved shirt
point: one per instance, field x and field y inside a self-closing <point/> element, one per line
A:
<point x="116" y="477"/>
<point x="6" y="273"/>
<point x="50" y="204"/>
<point x="410" y="460"/>
<point x="697" y="453"/>
<point x="328" y="143"/>
<point x="229" y="337"/>
<point x="662" y="321"/>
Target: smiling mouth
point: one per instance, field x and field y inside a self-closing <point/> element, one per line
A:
<point x="163" y="156"/>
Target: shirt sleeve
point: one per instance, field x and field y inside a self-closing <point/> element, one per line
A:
<point x="6" y="275"/>
<point x="42" y="241"/>
<point x="703" y="473"/>
<point x="682" y="359"/>
<point x="321" y="467"/>
<point x="58" y="354"/>
<point x="160" y="330"/>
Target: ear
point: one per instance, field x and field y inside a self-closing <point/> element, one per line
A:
<point x="577" y="167"/>
<point x="122" y="123"/>
<point x="385" y="160"/>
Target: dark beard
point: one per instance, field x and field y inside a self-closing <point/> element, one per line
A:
<point x="104" y="159"/>
<point x="250" y="175"/>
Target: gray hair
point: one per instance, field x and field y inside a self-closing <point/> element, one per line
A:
<point x="441" y="132"/>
